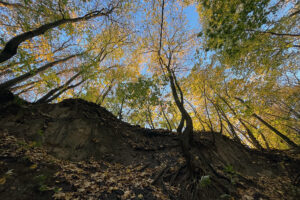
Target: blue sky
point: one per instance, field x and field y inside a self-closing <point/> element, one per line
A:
<point x="192" y="16"/>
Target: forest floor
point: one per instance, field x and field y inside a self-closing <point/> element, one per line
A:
<point x="78" y="150"/>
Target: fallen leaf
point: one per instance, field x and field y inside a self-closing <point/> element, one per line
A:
<point x="140" y="196"/>
<point x="126" y="194"/>
<point x="2" y="180"/>
<point x="33" y="166"/>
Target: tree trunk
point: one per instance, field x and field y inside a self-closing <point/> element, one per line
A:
<point x="180" y="125"/>
<point x="220" y="119"/>
<point x="187" y="136"/>
<point x="217" y="110"/>
<point x="259" y="131"/>
<point x="150" y="117"/>
<point x="208" y="116"/>
<point x="53" y="91"/>
<point x="252" y="137"/>
<point x="265" y="140"/>
<point x="63" y="90"/>
<point x="101" y="97"/>
<point x="12" y="45"/>
<point x="121" y="110"/>
<point x="180" y="105"/>
<point x="24" y="90"/>
<point x="165" y="116"/>
<point x="231" y="127"/>
<point x="196" y="115"/>
<point x="8" y="71"/>
<point x="12" y="82"/>
<point x="285" y="138"/>
<point x="11" y="5"/>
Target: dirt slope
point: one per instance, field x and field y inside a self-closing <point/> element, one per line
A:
<point x="79" y="150"/>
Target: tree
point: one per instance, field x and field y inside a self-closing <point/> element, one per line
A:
<point x="239" y="77"/>
<point x="12" y="45"/>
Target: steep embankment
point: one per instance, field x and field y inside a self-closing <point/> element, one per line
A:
<point x="78" y="150"/>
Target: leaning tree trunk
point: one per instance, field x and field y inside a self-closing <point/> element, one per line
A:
<point x="206" y="109"/>
<point x="12" y="82"/>
<point x="20" y="87"/>
<point x="277" y="132"/>
<point x="180" y="125"/>
<point x="249" y="132"/>
<point x="150" y="117"/>
<point x="285" y="138"/>
<point x="165" y="116"/>
<point x="253" y="139"/>
<point x="103" y="95"/>
<point x="12" y="45"/>
<point x="218" y="112"/>
<point x="24" y="90"/>
<point x="12" y="5"/>
<point x="63" y="90"/>
<point x="197" y="115"/>
<point x="231" y="127"/>
<point x="53" y="91"/>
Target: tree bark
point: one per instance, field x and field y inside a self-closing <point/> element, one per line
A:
<point x="262" y="135"/>
<point x="187" y="136"/>
<point x="220" y="119"/>
<point x="206" y="109"/>
<point x="19" y="87"/>
<point x="121" y="110"/>
<point x="12" y="45"/>
<point x="25" y="90"/>
<point x="6" y="72"/>
<point x="150" y="117"/>
<point x="101" y="97"/>
<point x="231" y="127"/>
<point x="12" y="82"/>
<point x="196" y="115"/>
<point x="63" y="90"/>
<point x="165" y="116"/>
<point x="180" y="125"/>
<point x="217" y="110"/>
<point x="53" y="91"/>
<point x="277" y="34"/>
<point x="285" y="138"/>
<point x="180" y="105"/>
<point x="11" y="5"/>
<point x="252" y="137"/>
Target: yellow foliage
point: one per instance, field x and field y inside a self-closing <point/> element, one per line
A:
<point x="2" y="180"/>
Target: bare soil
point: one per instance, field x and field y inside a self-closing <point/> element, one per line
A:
<point x="78" y="150"/>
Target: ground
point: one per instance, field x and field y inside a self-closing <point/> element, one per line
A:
<point x="78" y="150"/>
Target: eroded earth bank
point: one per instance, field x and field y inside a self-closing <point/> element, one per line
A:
<point x="78" y="150"/>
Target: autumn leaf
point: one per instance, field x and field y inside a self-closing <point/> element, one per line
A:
<point x="33" y="166"/>
<point x="2" y="180"/>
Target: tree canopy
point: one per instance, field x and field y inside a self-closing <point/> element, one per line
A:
<point x="237" y="73"/>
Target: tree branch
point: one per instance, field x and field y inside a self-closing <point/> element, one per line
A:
<point x="12" y="45"/>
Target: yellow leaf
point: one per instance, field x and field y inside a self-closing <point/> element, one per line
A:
<point x="140" y="196"/>
<point x="126" y="195"/>
<point x="33" y="166"/>
<point x="2" y="180"/>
